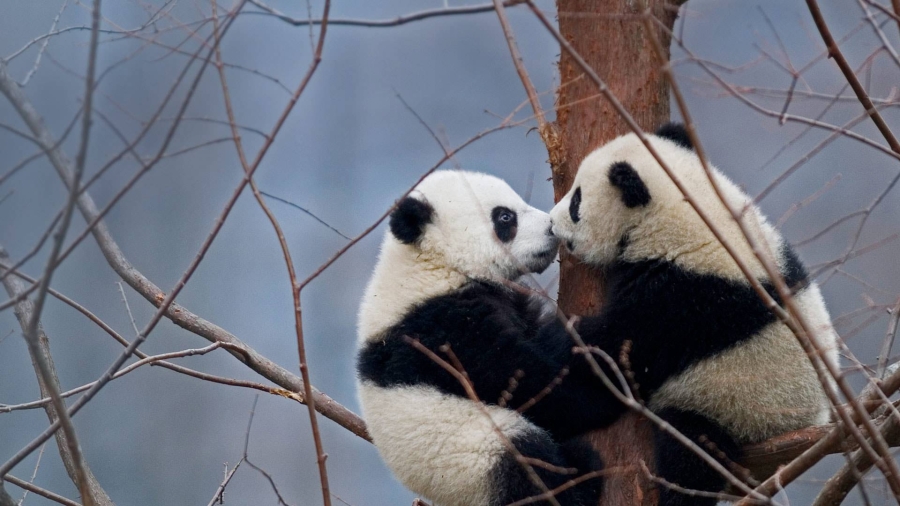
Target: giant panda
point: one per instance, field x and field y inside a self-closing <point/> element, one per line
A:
<point x="707" y="355"/>
<point x="442" y="277"/>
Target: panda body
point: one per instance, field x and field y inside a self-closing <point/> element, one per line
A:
<point x="452" y="245"/>
<point x="706" y="353"/>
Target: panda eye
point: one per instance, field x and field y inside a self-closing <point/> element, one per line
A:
<point x="505" y="223"/>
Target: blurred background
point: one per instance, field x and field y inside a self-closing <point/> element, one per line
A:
<point x="348" y="150"/>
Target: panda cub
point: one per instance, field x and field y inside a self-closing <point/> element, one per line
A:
<point x="707" y="354"/>
<point x="442" y="277"/>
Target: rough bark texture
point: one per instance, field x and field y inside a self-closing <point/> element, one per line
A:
<point x="610" y="36"/>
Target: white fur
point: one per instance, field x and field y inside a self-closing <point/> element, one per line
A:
<point x="762" y="388"/>
<point x="459" y="245"/>
<point x="758" y="389"/>
<point x="441" y="446"/>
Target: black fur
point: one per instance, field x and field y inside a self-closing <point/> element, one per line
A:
<point x="681" y="466"/>
<point x="625" y="178"/>
<point x="506" y="223"/>
<point x="795" y="275"/>
<point x="516" y="484"/>
<point x="672" y="317"/>
<point x="677" y="133"/>
<point x="494" y="332"/>
<point x="409" y="219"/>
<point x="575" y="205"/>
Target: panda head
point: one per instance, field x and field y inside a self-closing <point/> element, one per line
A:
<point x="473" y="224"/>
<point x="622" y="205"/>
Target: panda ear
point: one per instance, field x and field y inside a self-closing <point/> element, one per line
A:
<point x="677" y="133"/>
<point x="634" y="192"/>
<point x="408" y="220"/>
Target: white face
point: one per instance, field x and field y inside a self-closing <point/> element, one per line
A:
<point x="623" y="205"/>
<point x="607" y="199"/>
<point x="478" y="227"/>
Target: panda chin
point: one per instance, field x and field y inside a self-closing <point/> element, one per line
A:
<point x="541" y="261"/>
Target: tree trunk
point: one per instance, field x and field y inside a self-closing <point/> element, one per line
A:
<point x="610" y="36"/>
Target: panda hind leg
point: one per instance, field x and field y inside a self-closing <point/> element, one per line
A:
<point x="679" y="465"/>
<point x="516" y="484"/>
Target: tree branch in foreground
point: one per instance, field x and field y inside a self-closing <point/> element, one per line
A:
<point x="48" y="383"/>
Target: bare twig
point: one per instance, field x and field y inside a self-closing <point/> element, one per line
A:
<point x="39" y="349"/>
<point x="37" y="60"/>
<point x="835" y="52"/>
<point x="37" y="465"/>
<point x="888" y="342"/>
<point x="281" y="392"/>
<point x="164" y="304"/>
<point x="246" y="457"/>
<point x="122" y="372"/>
<point x="385" y="23"/>
<point x="838" y="486"/>
<point x="824" y="444"/>
<point x="24" y="485"/>
<point x="321" y="456"/>
<point x="306" y="211"/>
<point x="219" y="496"/>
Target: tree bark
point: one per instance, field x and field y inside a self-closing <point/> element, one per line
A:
<point x="610" y="36"/>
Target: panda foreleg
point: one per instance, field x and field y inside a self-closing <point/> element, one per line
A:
<point x="516" y="483"/>
<point x="681" y="466"/>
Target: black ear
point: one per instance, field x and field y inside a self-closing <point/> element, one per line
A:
<point x="676" y="133"/>
<point x="409" y="219"/>
<point x="625" y="178"/>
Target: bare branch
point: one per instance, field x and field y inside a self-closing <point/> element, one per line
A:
<point x="306" y="211"/>
<point x="838" y="486"/>
<point x="37" y="466"/>
<point x="219" y="496"/>
<point x="548" y="131"/>
<point x="321" y="456"/>
<point x="35" y="489"/>
<point x="39" y="349"/>
<point x="370" y="23"/>
<point x="835" y="52"/>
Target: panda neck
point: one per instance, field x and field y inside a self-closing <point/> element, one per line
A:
<point x="403" y="278"/>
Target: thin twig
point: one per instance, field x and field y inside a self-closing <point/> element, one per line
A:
<point x="548" y="131"/>
<point x="307" y="211"/>
<point x="889" y="338"/>
<point x="219" y="496"/>
<point x="835" y="52"/>
<point x="91" y="492"/>
<point x="321" y="456"/>
<point x="48" y="381"/>
<point x="385" y="23"/>
<point x="31" y="487"/>
<point x="163" y="307"/>
<point x="37" y="60"/>
<point x="246" y="456"/>
<point x="37" y="465"/>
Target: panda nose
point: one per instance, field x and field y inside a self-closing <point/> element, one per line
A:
<point x="550" y="231"/>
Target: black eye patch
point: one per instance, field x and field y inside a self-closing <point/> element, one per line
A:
<point x="575" y="205"/>
<point x="506" y="223"/>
